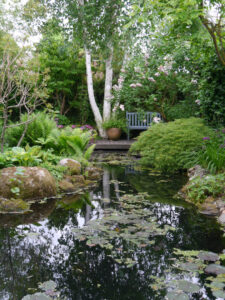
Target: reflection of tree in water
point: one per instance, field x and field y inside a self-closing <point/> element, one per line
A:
<point x="83" y="272"/>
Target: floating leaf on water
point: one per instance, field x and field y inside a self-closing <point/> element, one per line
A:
<point x="187" y="286"/>
<point x="219" y="294"/>
<point x="176" y="296"/>
<point x="48" y="285"/>
<point x="208" y="256"/>
<point x="215" y="269"/>
<point x="32" y="235"/>
<point x="37" y="296"/>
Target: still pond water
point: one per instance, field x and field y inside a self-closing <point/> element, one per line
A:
<point x="118" y="241"/>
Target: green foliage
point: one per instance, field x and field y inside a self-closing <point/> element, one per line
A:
<point x="201" y="188"/>
<point x="211" y="156"/>
<point x="62" y="120"/>
<point x="115" y="123"/>
<point x="163" y="145"/>
<point x="40" y="127"/>
<point x="56" y="170"/>
<point x="68" y="141"/>
<point x="18" y="156"/>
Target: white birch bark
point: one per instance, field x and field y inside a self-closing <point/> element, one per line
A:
<point x="94" y="107"/>
<point x="108" y="86"/>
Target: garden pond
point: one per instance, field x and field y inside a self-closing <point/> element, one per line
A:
<point x="128" y="238"/>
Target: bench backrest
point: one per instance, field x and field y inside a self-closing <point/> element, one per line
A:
<point x="137" y="120"/>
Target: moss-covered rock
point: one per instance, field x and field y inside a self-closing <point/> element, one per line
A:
<point x="74" y="167"/>
<point x="66" y="186"/>
<point x="93" y="173"/>
<point x="13" y="205"/>
<point x="26" y="183"/>
<point x="71" y="183"/>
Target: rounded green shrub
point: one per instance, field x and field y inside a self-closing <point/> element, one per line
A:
<point x="164" y="145"/>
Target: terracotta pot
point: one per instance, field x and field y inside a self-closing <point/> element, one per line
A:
<point x="114" y="133"/>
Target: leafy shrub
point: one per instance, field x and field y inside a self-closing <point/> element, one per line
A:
<point x="212" y="154"/>
<point x="115" y="123"/>
<point x="62" y="120"/>
<point x="164" y="145"/>
<point x="41" y="127"/>
<point x="201" y="188"/>
<point x="56" y="170"/>
<point x="68" y="141"/>
<point x="18" y="156"/>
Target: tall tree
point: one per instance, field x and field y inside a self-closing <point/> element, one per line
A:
<point x="98" y="25"/>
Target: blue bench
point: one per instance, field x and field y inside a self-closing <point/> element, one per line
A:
<point x="139" y="121"/>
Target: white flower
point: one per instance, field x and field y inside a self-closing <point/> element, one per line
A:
<point x="122" y="107"/>
<point x="115" y="87"/>
<point x="161" y="68"/>
<point x="194" y="81"/>
<point x="157" y="74"/>
<point x="198" y="101"/>
<point x="139" y="84"/>
<point x="151" y="79"/>
<point x="133" y="85"/>
<point x="155" y="99"/>
<point x="156" y="119"/>
<point x="123" y="71"/>
<point x="137" y="69"/>
<point x="114" y="109"/>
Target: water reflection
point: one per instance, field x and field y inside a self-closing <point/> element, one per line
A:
<point x="42" y="246"/>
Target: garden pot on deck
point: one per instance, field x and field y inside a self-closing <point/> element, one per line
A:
<point x="114" y="133"/>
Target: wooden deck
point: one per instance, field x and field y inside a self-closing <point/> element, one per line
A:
<point x="113" y="145"/>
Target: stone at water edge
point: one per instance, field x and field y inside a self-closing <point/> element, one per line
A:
<point x="73" y="166"/>
<point x="93" y="173"/>
<point x="30" y="182"/>
<point x="71" y="183"/>
<point x="197" y="171"/>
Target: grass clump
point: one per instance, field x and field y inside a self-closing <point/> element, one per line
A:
<point x="164" y="145"/>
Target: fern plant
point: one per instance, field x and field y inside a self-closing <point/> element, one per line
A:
<point x="68" y="141"/>
<point x="41" y="126"/>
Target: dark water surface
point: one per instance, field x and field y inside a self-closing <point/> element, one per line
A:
<point x="43" y="245"/>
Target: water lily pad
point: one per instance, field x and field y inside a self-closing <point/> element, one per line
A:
<point x="209" y="256"/>
<point x="48" y="285"/>
<point x="215" y="269"/>
<point x="219" y="294"/>
<point x="177" y="296"/>
<point x="37" y="296"/>
<point x="187" y="286"/>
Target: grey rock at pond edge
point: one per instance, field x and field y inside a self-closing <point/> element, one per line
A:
<point x="196" y="171"/>
<point x="215" y="269"/>
<point x="73" y="165"/>
<point x="208" y="256"/>
<point x="30" y="182"/>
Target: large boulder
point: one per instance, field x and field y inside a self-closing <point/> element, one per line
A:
<point x="26" y="183"/>
<point x="73" y="166"/>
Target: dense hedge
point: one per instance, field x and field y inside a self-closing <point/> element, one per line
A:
<point x="164" y="145"/>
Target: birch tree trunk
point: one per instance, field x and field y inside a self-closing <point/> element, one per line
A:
<point x="108" y="86"/>
<point x="94" y="107"/>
